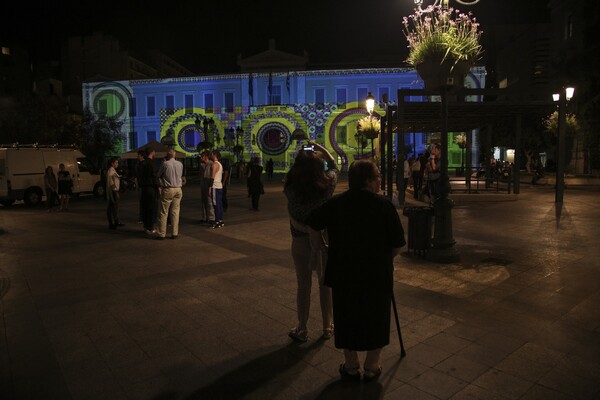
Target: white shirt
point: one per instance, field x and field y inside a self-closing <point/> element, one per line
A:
<point x="112" y="180"/>
<point x="218" y="175"/>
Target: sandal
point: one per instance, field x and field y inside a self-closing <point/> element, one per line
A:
<point x="327" y="333"/>
<point x="372" y="375"/>
<point x="299" y="335"/>
<point x="351" y="374"/>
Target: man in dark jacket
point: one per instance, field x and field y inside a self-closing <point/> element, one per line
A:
<point x="149" y="191"/>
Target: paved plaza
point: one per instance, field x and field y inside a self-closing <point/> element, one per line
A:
<point x="90" y="313"/>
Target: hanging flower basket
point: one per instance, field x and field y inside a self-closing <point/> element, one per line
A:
<point x="436" y="73"/>
<point x="443" y="45"/>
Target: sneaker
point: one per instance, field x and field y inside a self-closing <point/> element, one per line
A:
<point x="327" y="333"/>
<point x="150" y="232"/>
<point x="220" y="224"/>
<point x="299" y="335"/>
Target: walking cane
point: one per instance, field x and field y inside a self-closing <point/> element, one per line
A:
<point x="402" y="351"/>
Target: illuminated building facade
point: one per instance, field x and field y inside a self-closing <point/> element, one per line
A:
<point x="256" y="113"/>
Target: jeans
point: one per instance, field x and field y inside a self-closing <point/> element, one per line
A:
<point x="218" y="203"/>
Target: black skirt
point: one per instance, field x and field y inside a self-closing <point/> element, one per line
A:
<point x="361" y="318"/>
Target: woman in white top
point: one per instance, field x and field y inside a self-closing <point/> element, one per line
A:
<point x="217" y="188"/>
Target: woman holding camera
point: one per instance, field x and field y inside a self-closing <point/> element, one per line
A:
<point x="307" y="186"/>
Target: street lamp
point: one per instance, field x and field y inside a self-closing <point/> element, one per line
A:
<point x="563" y="97"/>
<point x="370" y="100"/>
<point x="386" y="160"/>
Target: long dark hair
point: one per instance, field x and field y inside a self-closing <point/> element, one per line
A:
<point x="307" y="178"/>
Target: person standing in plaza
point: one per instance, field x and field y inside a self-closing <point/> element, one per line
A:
<point x="365" y="234"/>
<point x="208" y="211"/>
<point x="113" y="185"/>
<point x="50" y="186"/>
<point x="149" y="187"/>
<point x="226" y="163"/>
<point x="140" y="157"/>
<point x="65" y="185"/>
<point x="433" y="173"/>
<point x="255" y="185"/>
<point x="269" y="169"/>
<point x="170" y="178"/>
<point x="307" y="186"/>
<point x="217" y="189"/>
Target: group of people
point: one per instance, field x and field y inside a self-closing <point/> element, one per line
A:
<point x="424" y="173"/>
<point x="58" y="188"/>
<point x="350" y="240"/>
<point x="160" y="193"/>
<point x="216" y="174"/>
<point x="161" y="190"/>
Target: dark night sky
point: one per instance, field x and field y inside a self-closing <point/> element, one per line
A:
<point x="207" y="36"/>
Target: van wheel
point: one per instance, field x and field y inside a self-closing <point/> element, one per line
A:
<point x="33" y="197"/>
<point x="99" y="190"/>
<point x="7" y="203"/>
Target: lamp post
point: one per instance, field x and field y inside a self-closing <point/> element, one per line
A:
<point x="386" y="160"/>
<point x="370" y="103"/>
<point x="563" y="97"/>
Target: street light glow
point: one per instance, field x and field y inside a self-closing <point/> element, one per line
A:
<point x="370" y="103"/>
<point x="570" y="91"/>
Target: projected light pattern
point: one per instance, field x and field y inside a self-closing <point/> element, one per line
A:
<point x="153" y="108"/>
<point x="273" y="138"/>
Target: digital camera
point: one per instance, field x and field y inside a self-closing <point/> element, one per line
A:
<point x="308" y="147"/>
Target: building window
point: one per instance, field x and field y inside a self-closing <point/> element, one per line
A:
<point x="341" y="95"/>
<point x="189" y="103"/>
<point x="150" y="106"/>
<point x="320" y="95"/>
<point x="383" y="91"/>
<point x="361" y="94"/>
<point x="275" y="95"/>
<point x="150" y="136"/>
<point x="133" y="140"/>
<point x="228" y="101"/>
<point x="170" y="101"/>
<point x="341" y="134"/>
<point x="209" y="102"/>
<point x="132" y="107"/>
<point x="569" y="28"/>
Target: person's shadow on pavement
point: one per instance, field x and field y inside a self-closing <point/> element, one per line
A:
<point x="345" y="390"/>
<point x="256" y="373"/>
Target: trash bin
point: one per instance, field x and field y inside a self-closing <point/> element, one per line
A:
<point x="419" y="228"/>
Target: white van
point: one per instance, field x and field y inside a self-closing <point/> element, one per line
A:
<point x="22" y="172"/>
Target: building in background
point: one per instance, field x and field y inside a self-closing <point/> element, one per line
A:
<point x="102" y="57"/>
<point x="255" y="114"/>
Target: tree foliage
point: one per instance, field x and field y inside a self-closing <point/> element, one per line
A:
<point x="99" y="136"/>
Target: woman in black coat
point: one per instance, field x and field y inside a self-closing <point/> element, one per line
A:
<point x="365" y="234"/>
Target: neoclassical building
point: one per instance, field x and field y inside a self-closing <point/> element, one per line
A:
<point x="255" y="114"/>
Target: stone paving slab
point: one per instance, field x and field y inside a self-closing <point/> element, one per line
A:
<point x="89" y="313"/>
